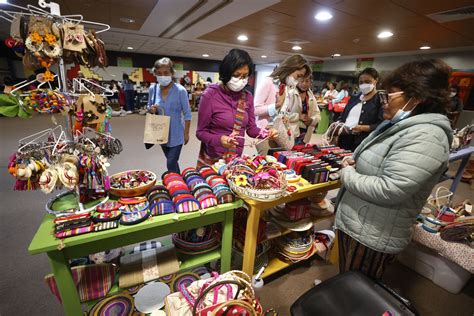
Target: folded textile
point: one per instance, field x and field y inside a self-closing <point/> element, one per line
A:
<point x="148" y="265"/>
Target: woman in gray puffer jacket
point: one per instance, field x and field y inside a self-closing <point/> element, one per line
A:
<point x="392" y="172"/>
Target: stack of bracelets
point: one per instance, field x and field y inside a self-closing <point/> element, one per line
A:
<point x="134" y="210"/>
<point x="160" y="200"/>
<point x="199" y="240"/>
<point x="184" y="201"/>
<point x="199" y="187"/>
<point x="218" y="184"/>
<point x="296" y="246"/>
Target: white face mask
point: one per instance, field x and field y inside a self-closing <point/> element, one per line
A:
<point x="237" y="84"/>
<point x="163" y="80"/>
<point x="290" y="81"/>
<point x="401" y="113"/>
<point x="366" y="88"/>
<point x="452" y="94"/>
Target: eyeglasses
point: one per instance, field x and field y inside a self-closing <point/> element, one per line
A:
<point x="385" y="97"/>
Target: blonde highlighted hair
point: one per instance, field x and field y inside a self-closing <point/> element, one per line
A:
<point x="289" y="66"/>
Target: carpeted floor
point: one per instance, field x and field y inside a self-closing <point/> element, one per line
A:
<point x="23" y="291"/>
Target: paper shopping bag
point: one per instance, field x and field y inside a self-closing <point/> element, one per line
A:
<point x="157" y="128"/>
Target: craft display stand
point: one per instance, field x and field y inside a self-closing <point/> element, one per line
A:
<point x="464" y="155"/>
<point x="256" y="210"/>
<point x="60" y="252"/>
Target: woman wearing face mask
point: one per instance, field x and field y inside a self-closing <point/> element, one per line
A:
<point x="393" y="171"/>
<point x="171" y="99"/>
<point x="308" y="111"/>
<point x="226" y="111"/>
<point x="363" y="113"/>
<point x="267" y="100"/>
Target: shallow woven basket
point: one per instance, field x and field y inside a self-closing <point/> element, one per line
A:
<point x="263" y="195"/>
<point x="140" y="190"/>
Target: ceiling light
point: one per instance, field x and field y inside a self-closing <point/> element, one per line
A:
<point x="296" y="47"/>
<point x="130" y="47"/>
<point x="3" y="1"/>
<point x="385" y="34"/>
<point x="205" y="55"/>
<point x="323" y="16"/>
<point x="127" y="20"/>
<point x="242" y="38"/>
<point x="336" y="55"/>
<point x="264" y="56"/>
<point x="425" y="47"/>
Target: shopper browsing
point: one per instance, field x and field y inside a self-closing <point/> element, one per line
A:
<point x="395" y="168"/>
<point x="226" y="111"/>
<point x="267" y="104"/>
<point x="363" y="113"/>
<point x="170" y="99"/>
<point x="307" y="109"/>
<point x="129" y="90"/>
<point x="456" y="106"/>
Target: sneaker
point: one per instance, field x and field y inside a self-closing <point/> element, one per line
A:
<point x="123" y="113"/>
<point x="129" y="112"/>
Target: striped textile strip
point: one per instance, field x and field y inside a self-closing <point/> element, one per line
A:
<point x="355" y="256"/>
<point x="239" y="118"/>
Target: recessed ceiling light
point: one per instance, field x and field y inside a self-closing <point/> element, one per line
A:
<point x="205" y="55"/>
<point x="130" y="47"/>
<point x="323" y="16"/>
<point x="336" y="55"/>
<point x="264" y="56"/>
<point x="385" y="34"/>
<point x="242" y="38"/>
<point x="127" y="20"/>
<point x="425" y="47"/>
<point x="296" y="47"/>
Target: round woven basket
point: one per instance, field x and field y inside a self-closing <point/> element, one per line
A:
<point x="259" y="194"/>
<point x="132" y="192"/>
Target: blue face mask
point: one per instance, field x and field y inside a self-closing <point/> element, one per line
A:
<point x="401" y="114"/>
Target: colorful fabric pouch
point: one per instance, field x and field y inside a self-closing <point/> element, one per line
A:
<point x="92" y="281"/>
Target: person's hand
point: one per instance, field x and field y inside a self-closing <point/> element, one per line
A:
<point x="280" y="99"/>
<point x="153" y="109"/>
<point x="228" y="142"/>
<point x="186" y="138"/>
<point x="306" y="119"/>
<point x="272" y="133"/>
<point x="348" y="161"/>
<point x="360" y="129"/>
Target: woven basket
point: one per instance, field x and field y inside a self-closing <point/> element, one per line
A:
<point x="263" y="195"/>
<point x="132" y="192"/>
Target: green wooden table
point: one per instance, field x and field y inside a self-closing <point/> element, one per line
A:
<point x="83" y="245"/>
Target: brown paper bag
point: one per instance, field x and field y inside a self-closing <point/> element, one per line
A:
<point x="157" y="128"/>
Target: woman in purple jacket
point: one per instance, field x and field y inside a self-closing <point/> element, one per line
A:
<point x="226" y="111"/>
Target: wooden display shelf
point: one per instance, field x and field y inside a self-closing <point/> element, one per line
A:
<point x="285" y="231"/>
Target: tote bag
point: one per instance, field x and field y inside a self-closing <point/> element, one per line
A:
<point x="286" y="136"/>
<point x="157" y="129"/>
